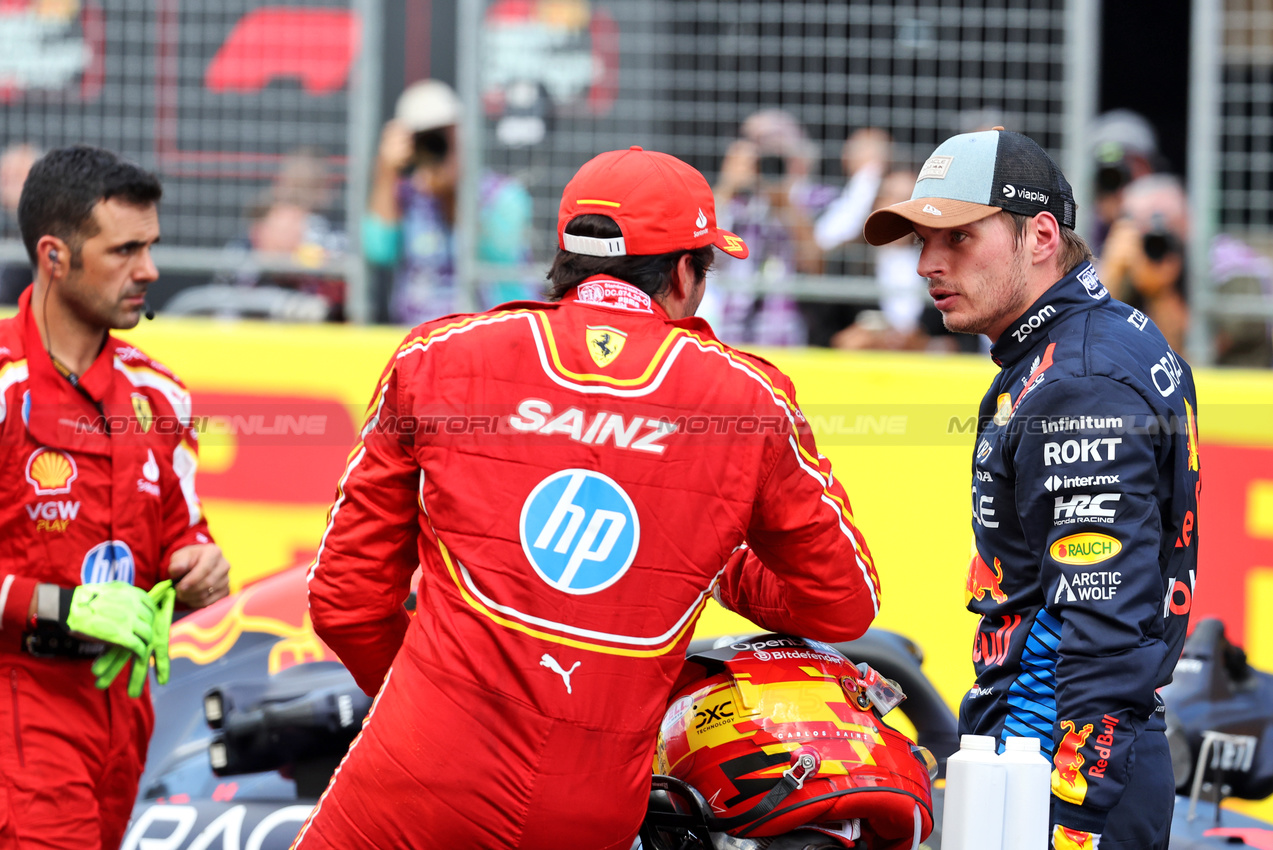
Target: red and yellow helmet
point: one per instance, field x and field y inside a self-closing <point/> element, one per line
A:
<point x="774" y="714"/>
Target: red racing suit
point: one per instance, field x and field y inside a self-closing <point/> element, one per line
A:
<point x="574" y="481"/>
<point x="79" y="505"/>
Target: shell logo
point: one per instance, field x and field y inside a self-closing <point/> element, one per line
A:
<point x="51" y="472"/>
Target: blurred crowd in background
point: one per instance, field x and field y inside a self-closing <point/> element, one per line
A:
<point x="795" y="211"/>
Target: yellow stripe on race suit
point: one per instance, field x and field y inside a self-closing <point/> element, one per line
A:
<point x="356" y="455"/>
<point x="142" y="375"/>
<point x="666" y="641"/>
<point x="585" y="377"/>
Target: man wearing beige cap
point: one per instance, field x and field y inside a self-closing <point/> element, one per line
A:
<point x="410" y="220"/>
<point x="1084" y="498"/>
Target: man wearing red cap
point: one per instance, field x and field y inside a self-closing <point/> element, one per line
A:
<point x="574" y="479"/>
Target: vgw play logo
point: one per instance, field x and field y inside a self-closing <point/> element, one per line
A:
<point x="579" y="531"/>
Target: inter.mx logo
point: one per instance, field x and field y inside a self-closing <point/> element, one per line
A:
<point x="1056" y="482"/>
<point x="579" y="530"/>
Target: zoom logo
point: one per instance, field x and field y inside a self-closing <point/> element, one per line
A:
<point x="579" y="531"/>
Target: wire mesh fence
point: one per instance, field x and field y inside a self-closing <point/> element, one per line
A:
<point x="239" y="106"/>
<point x="684" y="77"/>
<point x="242" y="107"/>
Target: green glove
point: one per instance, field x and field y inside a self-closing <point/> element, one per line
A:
<point x="164" y="596"/>
<point x="112" y="662"/>
<point x="113" y="612"/>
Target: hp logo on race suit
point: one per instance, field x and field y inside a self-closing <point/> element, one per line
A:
<point x="579" y="531"/>
<point x="109" y="561"/>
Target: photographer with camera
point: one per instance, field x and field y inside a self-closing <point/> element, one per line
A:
<point x="1124" y="146"/>
<point x="1143" y="261"/>
<point x="410" y="221"/>
<point x="765" y="196"/>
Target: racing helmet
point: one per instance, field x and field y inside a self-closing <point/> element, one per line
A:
<point x="782" y="732"/>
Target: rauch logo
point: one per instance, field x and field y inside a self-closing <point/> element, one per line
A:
<point x="1086" y="548"/>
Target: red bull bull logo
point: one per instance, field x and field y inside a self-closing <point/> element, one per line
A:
<point x="1064" y="838"/>
<point x="1067" y="778"/>
<point x="275" y="606"/>
<point x="983" y="579"/>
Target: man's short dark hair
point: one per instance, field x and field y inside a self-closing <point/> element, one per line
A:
<point x="650" y="273"/>
<point x="65" y="184"/>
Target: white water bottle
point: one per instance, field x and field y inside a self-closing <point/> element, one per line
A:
<point x="975" y="790"/>
<point x="1028" y="802"/>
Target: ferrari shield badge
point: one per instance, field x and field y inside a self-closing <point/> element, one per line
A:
<point x="144" y="412"/>
<point x="604" y="344"/>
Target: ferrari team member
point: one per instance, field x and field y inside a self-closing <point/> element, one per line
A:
<point x="97" y="465"/>
<point x="574" y="479"/>
<point x="1085" y="488"/>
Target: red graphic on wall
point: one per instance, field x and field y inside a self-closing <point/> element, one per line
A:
<point x="316" y="46"/>
<point x="287" y="449"/>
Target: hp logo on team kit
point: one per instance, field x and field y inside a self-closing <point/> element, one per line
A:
<point x="579" y="530"/>
<point x="109" y="561"/>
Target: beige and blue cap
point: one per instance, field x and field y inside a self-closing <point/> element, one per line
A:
<point x="975" y="175"/>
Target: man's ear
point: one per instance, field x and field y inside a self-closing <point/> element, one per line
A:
<point x="685" y="278"/>
<point x="52" y="255"/>
<point x="1047" y="237"/>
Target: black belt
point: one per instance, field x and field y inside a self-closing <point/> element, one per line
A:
<point x="49" y="640"/>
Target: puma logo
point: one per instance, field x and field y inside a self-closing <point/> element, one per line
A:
<point x="551" y="663"/>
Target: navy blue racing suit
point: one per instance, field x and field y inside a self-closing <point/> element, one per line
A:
<point x="1085" y="510"/>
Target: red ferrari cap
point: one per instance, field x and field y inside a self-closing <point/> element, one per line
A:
<point x="660" y="203"/>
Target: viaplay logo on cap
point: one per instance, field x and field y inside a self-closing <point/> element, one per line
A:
<point x="1028" y="194"/>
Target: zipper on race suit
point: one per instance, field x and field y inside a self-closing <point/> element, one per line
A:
<point x="17" y="725"/>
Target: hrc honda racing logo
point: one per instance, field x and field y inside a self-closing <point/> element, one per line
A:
<point x="579" y="530"/>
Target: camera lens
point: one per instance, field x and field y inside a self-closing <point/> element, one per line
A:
<point x="1159" y="241"/>
<point x="772" y="166"/>
<point x="1111" y="178"/>
<point x="1155" y="246"/>
<point x="430" y="146"/>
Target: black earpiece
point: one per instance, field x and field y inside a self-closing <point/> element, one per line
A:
<point x="53" y="255"/>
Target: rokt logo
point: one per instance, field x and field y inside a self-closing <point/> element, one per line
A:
<point x="579" y="530"/>
<point x="1075" y="451"/>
